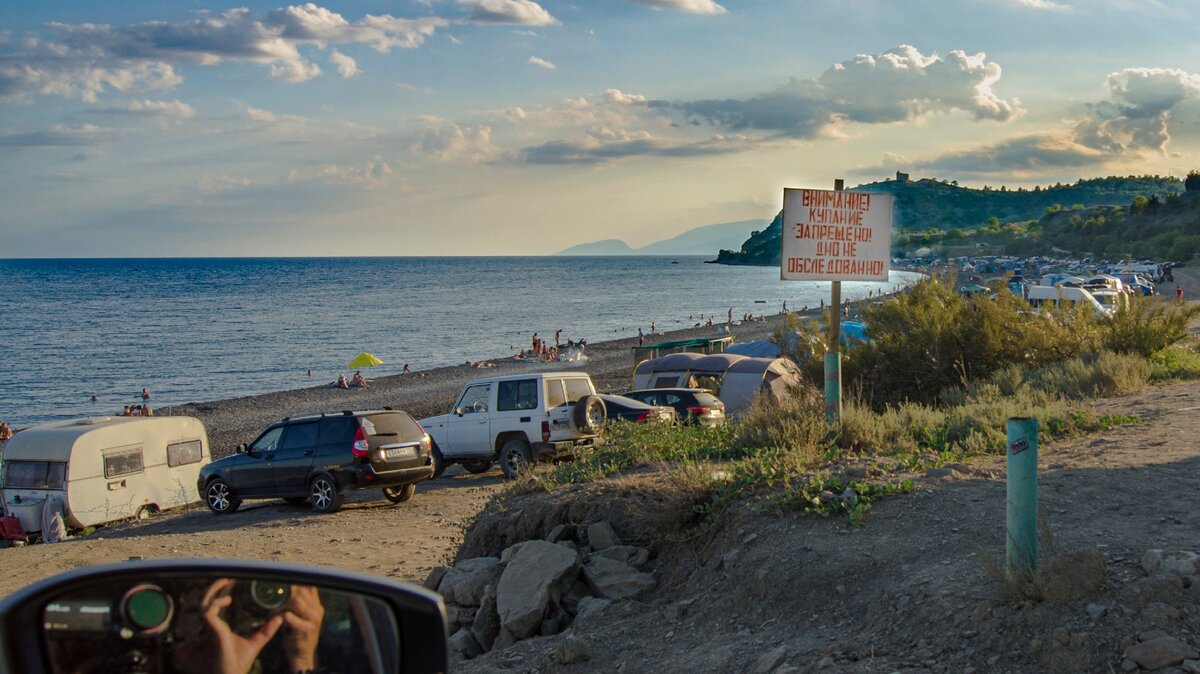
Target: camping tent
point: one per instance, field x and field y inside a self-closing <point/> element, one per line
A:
<point x="733" y="378"/>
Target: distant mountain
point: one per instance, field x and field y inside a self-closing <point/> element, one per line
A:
<point x="935" y="205"/>
<point x="699" y="241"/>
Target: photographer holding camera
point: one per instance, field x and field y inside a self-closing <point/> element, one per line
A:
<point x="229" y="609"/>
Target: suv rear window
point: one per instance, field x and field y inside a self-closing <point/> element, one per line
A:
<point x="706" y="398"/>
<point x="397" y="424"/>
<point x="578" y="388"/>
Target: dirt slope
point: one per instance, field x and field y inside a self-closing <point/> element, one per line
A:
<point x="910" y="590"/>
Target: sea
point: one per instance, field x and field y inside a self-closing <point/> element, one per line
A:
<point x="196" y="329"/>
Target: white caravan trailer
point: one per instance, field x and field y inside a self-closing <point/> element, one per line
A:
<point x="1038" y="296"/>
<point x="103" y="469"/>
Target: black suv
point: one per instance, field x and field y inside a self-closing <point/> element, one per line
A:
<point x="318" y="458"/>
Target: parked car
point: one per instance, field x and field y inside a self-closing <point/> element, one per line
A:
<point x="621" y="408"/>
<point x="517" y="419"/>
<point x="693" y="405"/>
<point x="318" y="458"/>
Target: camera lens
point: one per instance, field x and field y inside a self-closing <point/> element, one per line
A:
<point x="270" y="596"/>
<point x="147" y="608"/>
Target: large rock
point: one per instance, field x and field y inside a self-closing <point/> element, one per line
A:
<point x="611" y="579"/>
<point x="538" y="574"/>
<point x="1160" y="652"/>
<point x="463" y="642"/>
<point x="469" y="590"/>
<point x="1179" y="562"/>
<point x="601" y="535"/>
<point x="626" y="554"/>
<point x="448" y="585"/>
<point x="487" y="621"/>
<point x="572" y="649"/>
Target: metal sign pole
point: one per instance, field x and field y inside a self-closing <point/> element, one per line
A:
<point x="833" y="352"/>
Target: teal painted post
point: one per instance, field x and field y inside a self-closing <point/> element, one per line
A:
<point x="833" y="352"/>
<point x="1022" y="502"/>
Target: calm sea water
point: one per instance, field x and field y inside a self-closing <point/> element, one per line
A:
<point x="206" y="329"/>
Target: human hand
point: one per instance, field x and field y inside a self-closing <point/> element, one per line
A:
<point x="303" y="616"/>
<point x="235" y="653"/>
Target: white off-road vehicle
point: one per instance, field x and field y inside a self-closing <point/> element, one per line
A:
<point x="517" y="419"/>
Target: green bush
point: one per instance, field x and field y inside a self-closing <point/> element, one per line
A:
<point x="1147" y="325"/>
<point x="1176" y="363"/>
<point x="794" y="424"/>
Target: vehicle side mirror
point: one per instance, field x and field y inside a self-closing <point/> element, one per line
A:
<point x="458" y="411"/>
<point x="155" y="615"/>
<point x="243" y="448"/>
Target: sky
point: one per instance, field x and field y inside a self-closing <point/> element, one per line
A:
<point x="515" y="127"/>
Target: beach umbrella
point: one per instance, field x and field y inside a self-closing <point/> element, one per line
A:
<point x="364" y="359"/>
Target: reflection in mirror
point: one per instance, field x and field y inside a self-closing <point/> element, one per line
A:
<point x="223" y="625"/>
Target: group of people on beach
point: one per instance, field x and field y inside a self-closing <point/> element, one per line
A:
<point x="357" y="381"/>
<point x="143" y="410"/>
<point x="540" y="349"/>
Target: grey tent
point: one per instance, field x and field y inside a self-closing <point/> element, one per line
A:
<point x="735" y="379"/>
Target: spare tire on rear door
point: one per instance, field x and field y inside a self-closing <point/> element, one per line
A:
<point x="589" y="413"/>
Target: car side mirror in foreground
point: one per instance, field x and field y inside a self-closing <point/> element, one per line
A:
<point x="221" y="616"/>
<point x="242" y="448"/>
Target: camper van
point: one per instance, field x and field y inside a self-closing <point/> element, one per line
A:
<point x="103" y="469"/>
<point x="735" y="379"/>
<point x="1039" y="296"/>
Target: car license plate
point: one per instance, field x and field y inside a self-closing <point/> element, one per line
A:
<point x="399" y="452"/>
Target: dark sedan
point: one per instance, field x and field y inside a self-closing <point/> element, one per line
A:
<point x="693" y="405"/>
<point x="628" y="409"/>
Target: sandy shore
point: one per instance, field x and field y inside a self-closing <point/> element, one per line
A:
<point x="427" y="392"/>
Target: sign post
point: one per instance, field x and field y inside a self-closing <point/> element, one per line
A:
<point x="835" y="236"/>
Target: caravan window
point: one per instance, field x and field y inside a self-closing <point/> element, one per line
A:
<point x="183" y="453"/>
<point x="123" y="462"/>
<point x="35" y="474"/>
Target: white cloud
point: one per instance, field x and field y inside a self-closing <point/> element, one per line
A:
<point x="523" y="12"/>
<point x="347" y="67"/>
<point x="1043" y="4"/>
<point x="266" y="116"/>
<point x="58" y="135"/>
<point x="450" y="142"/>
<point x="174" y="108"/>
<point x="689" y="6"/>
<point x="898" y="85"/>
<point x="618" y="97"/>
<point x="1135" y="121"/>
<point x="541" y="63"/>
<point x="375" y="174"/>
<point x="84" y="60"/>
<point x="222" y="183"/>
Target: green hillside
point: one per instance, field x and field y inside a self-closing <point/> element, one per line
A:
<point x="937" y="207"/>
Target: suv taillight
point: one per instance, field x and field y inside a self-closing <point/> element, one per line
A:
<point x="545" y="431"/>
<point x="642" y="417"/>
<point x="426" y="441"/>
<point x="360" y="448"/>
<point x="697" y="410"/>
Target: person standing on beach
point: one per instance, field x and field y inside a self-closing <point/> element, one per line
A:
<point x="641" y="337"/>
<point x="145" y="393"/>
<point x="730" y="314"/>
<point x="557" y="335"/>
<point x="536" y="344"/>
<point x="1179" y="294"/>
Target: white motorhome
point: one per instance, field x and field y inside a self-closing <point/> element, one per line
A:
<point x="103" y="469"/>
<point x="1039" y="296"/>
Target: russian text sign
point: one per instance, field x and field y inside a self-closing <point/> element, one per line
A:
<point x="833" y="235"/>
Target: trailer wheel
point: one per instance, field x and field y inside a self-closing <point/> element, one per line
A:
<point x="219" y="497"/>
<point x="146" y="512"/>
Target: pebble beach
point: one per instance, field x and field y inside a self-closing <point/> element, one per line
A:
<point x="429" y="392"/>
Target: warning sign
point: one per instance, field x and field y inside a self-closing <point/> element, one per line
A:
<point x="836" y="236"/>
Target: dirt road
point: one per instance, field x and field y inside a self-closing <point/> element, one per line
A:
<point x="369" y="534"/>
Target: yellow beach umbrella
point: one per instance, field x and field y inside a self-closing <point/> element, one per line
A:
<point x="364" y="359"/>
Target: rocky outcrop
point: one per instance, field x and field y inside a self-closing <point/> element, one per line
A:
<point x="540" y="587"/>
